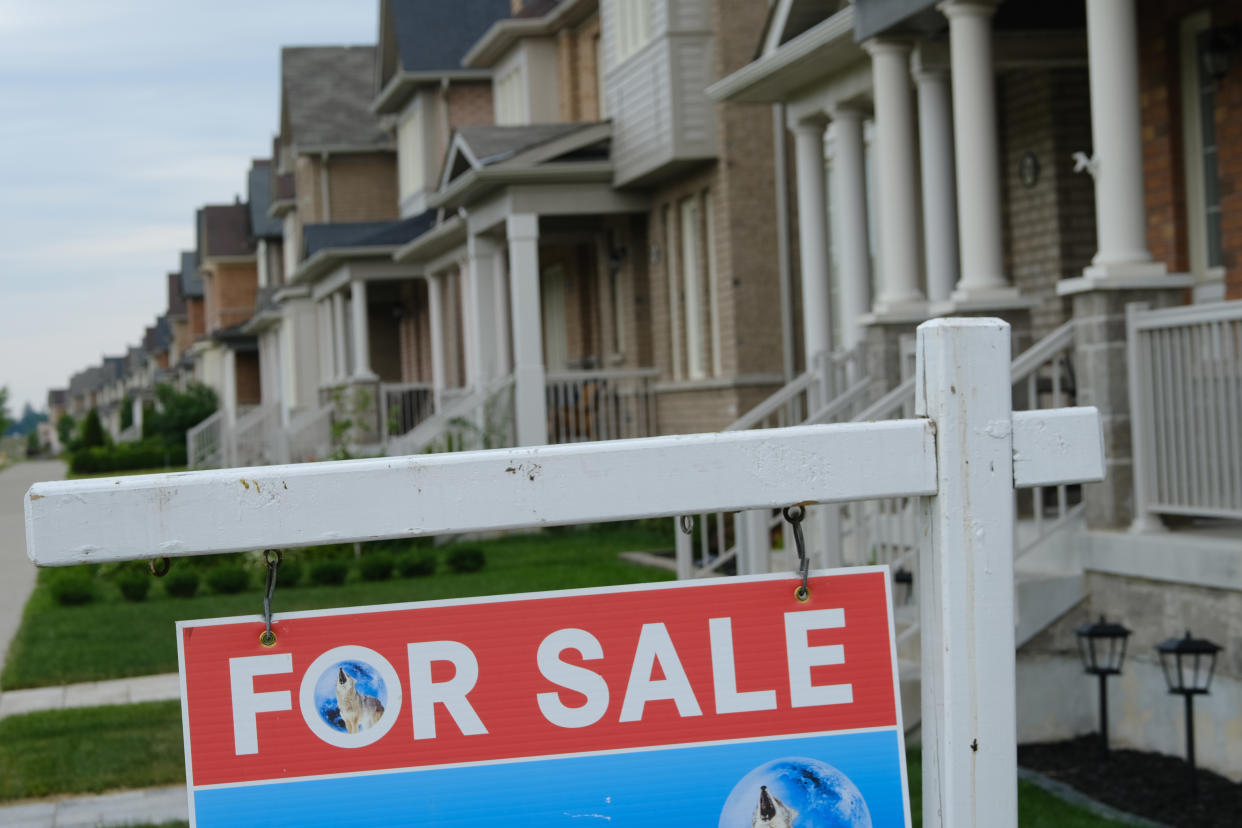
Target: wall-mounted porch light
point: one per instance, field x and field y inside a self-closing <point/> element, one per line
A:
<point x="1188" y="664"/>
<point x="1102" y="648"/>
<point x="1222" y="41"/>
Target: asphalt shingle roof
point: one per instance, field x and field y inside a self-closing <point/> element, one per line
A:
<point x="226" y="230"/>
<point x="434" y="35"/>
<point x="491" y="144"/>
<point x="191" y="282"/>
<point x="259" y="188"/>
<point x="327" y="92"/>
<point x="176" y="298"/>
<point x="316" y="237"/>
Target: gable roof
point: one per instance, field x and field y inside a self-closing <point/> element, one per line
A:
<point x="490" y="144"/>
<point x="260" y="189"/>
<point x="325" y="95"/>
<point x="356" y="234"/>
<point x="191" y="282"/>
<point x="176" y="298"/>
<point x="225" y="230"/>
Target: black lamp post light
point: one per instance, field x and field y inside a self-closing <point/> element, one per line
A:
<point x="1188" y="664"/>
<point x="1102" y="648"/>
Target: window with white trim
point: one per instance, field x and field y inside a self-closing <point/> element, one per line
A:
<point x="695" y="303"/>
<point x="631" y="25"/>
<point x="1203" y="217"/>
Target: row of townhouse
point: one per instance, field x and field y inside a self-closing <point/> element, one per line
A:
<point x="542" y="221"/>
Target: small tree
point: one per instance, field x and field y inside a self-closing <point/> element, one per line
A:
<point x="32" y="444"/>
<point x="176" y="412"/>
<point x="127" y="412"/>
<point x="5" y="422"/>
<point x="64" y="428"/>
<point x="92" y="432"/>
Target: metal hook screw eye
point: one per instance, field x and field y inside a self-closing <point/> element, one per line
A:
<point x="159" y="566"/>
<point x="802" y="592"/>
<point x="687" y="524"/>
<point x="794" y="514"/>
<point x="270" y="561"/>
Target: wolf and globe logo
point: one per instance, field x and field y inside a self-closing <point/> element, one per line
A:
<point x="795" y="792"/>
<point x="350" y="696"/>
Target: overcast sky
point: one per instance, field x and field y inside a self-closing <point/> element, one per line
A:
<point x="117" y="120"/>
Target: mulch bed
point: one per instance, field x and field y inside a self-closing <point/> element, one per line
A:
<point x="1150" y="785"/>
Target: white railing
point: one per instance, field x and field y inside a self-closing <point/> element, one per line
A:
<point x="204" y="443"/>
<point x="467" y="419"/>
<point x="600" y="405"/>
<point x="257" y="438"/>
<point x="1185" y="376"/>
<point x="804" y="399"/>
<point x="309" y="435"/>
<point x="403" y="406"/>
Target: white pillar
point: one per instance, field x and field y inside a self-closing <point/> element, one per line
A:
<point x="978" y="151"/>
<point x="360" y="330"/>
<point x="323" y="311"/>
<point x="813" y="239"/>
<point x="1120" y="217"/>
<point x="895" y="167"/>
<point x="339" y="368"/>
<point x="528" y="375"/>
<point x="849" y="222"/>
<point x="435" y="314"/>
<point x="479" y="311"/>
<point x="939" y="193"/>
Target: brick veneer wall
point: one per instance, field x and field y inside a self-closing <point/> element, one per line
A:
<point x="467" y="104"/>
<point x="577" y="71"/>
<point x="1163" y="159"/>
<point x="230" y="289"/>
<point x="363" y="186"/>
<point x="196" y="314"/>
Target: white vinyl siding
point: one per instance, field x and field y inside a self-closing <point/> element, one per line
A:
<point x="1203" y="216"/>
<point x="510" y="108"/>
<point x="411" y="160"/>
<point x="632" y="31"/>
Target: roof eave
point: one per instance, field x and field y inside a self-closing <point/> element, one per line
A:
<point x="403" y="84"/>
<point x="771" y="78"/>
<point x="442" y="237"/>
<point x="502" y="34"/>
<point x="476" y="183"/>
<point x="325" y="260"/>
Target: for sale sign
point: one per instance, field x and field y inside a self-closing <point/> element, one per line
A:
<point x="726" y="702"/>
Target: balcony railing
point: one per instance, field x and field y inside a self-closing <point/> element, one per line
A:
<point x="1185" y="374"/>
<point x="600" y="405"/>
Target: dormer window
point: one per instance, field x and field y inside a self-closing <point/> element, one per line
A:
<point x="631" y="27"/>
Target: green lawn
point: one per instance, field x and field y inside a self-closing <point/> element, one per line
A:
<point x="128" y="746"/>
<point x="112" y="638"/>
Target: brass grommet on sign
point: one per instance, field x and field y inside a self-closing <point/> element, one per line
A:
<point x="803" y="593"/>
<point x="267" y="638"/>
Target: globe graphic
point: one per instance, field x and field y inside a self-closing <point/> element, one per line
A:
<point x="795" y="792"/>
<point x="367" y="682"/>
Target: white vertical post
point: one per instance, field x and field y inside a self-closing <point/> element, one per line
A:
<point x="479" y="313"/>
<point x="1142" y="446"/>
<point x="360" y="330"/>
<point x="966" y="578"/>
<point x="977" y="147"/>
<point x="323" y="311"/>
<point x="528" y="374"/>
<point x="939" y="191"/>
<point x="340" y="369"/>
<point x="896" y="167"/>
<point x="1112" y="59"/>
<point x="849" y="222"/>
<point x="435" y="312"/>
<point x="813" y="239"/>
<point x="228" y="401"/>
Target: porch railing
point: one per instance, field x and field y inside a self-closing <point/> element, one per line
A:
<point x="258" y="439"/>
<point x="600" y="405"/>
<point x="204" y="443"/>
<point x="403" y="406"/>
<point x="468" y="419"/>
<point x="1185" y="375"/>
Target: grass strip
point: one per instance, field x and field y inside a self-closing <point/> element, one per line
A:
<point x="112" y="638"/>
<point x="91" y="749"/>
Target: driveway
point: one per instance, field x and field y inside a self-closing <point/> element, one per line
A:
<point x="17" y="573"/>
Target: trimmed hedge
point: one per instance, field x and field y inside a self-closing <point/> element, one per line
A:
<point x="72" y="586"/>
<point x="416" y="563"/>
<point x="465" y="559"/>
<point x="134" y="584"/>
<point x="181" y="583"/>
<point x="143" y="454"/>
<point x="329" y="572"/>
<point x="376" y="566"/>
<point x="227" y="579"/>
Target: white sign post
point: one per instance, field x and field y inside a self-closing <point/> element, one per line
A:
<point x="964" y="454"/>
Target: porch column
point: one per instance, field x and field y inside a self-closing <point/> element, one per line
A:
<point x="849" y="222"/>
<point x="361" y="331"/>
<point x="529" y="400"/>
<point x="939" y="194"/>
<point x="896" y="145"/>
<point x="435" y="311"/>
<point x="338" y="337"/>
<point x="978" y="152"/>
<point x="479" y="313"/>
<point x="1120" y="217"/>
<point x="813" y="238"/>
<point x="323" y="318"/>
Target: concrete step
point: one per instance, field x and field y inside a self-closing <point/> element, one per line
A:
<point x="909" y="677"/>
<point x="1041" y="597"/>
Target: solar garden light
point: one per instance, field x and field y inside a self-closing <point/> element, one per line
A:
<point x="1102" y="648"/>
<point x="905" y="579"/>
<point x="1188" y="664"/>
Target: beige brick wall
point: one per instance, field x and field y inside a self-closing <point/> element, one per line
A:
<point x="466" y="104"/>
<point x="577" y="70"/>
<point x="363" y="187"/>
<point x="196" y="315"/>
<point x="308" y="190"/>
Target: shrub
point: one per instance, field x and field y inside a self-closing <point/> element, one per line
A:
<point x="288" y="574"/>
<point x="376" y="566"/>
<point x="181" y="583"/>
<point x="465" y="559"/>
<point x="329" y="572"/>
<point x="134" y="584"/>
<point x="227" y="579"/>
<point x="72" y="586"/>
<point x="144" y="454"/>
<point x="416" y="563"/>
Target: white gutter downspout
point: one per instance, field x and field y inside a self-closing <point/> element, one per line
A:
<point x="781" y="164"/>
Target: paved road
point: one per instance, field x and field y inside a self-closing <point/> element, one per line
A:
<point x="17" y="573"/>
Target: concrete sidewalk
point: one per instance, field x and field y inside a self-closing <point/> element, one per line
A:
<point x="153" y="805"/>
<point x="90" y="694"/>
<point x="17" y="573"/>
